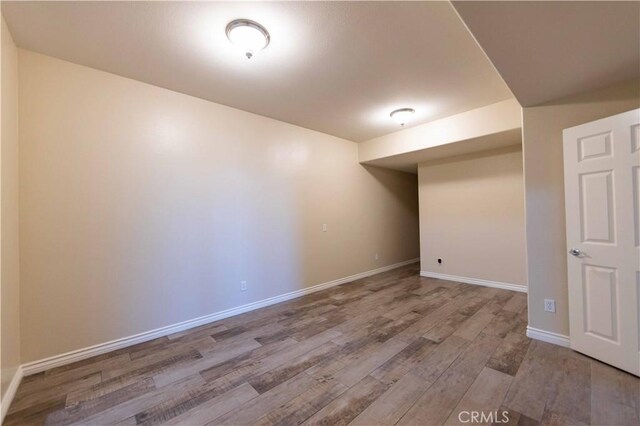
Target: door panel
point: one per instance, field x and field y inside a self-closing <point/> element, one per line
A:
<point x="602" y="201"/>
<point x="595" y="146"/>
<point x="597" y="210"/>
<point x="638" y="307"/>
<point x="600" y="298"/>
<point x="636" y="205"/>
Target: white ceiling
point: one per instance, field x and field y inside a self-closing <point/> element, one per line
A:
<point x="549" y="50"/>
<point x="335" y="67"/>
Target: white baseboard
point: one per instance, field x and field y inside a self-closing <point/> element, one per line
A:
<point x="10" y="393"/>
<point x="549" y="337"/>
<point x="80" y="354"/>
<point x="475" y="281"/>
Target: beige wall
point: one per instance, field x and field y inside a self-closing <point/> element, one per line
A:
<point x="544" y="191"/>
<point x="9" y="250"/>
<point x="472" y="216"/>
<point x="143" y="207"/>
<point x="488" y="120"/>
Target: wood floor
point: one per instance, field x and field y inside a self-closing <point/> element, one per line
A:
<point x="389" y="349"/>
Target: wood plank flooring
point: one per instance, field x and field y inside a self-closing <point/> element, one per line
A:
<point x="393" y="348"/>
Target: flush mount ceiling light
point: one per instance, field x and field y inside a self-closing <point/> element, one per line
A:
<point x="402" y="115"/>
<point x="248" y="35"/>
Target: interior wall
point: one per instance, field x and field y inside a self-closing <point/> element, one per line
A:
<point x="544" y="192"/>
<point x="500" y="117"/>
<point x="142" y="207"/>
<point x="9" y="250"/>
<point x="472" y="216"/>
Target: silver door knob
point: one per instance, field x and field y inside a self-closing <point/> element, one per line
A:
<point x="575" y="252"/>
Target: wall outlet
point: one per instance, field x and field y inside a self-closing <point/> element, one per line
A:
<point x="376" y="257"/>
<point x="550" y="305"/>
<point x="324" y="227"/>
<point x="243" y="286"/>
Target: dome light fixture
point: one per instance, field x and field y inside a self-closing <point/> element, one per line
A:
<point x="402" y="115"/>
<point x="248" y="35"/>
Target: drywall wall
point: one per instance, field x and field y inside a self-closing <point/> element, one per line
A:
<point x="472" y="216"/>
<point x="9" y="250"/>
<point x="142" y="207"/>
<point x="500" y="117"/>
<point x="544" y="193"/>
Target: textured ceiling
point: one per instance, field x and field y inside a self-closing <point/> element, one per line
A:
<point x="548" y="50"/>
<point x="335" y="67"/>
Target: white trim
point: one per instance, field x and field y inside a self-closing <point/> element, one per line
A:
<point x="80" y="354"/>
<point x="475" y="281"/>
<point x="549" y="337"/>
<point x="10" y="393"/>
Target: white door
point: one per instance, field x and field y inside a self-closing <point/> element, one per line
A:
<point x="602" y="196"/>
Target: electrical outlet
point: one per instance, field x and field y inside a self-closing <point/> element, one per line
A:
<point x="376" y="257"/>
<point x="243" y="286"/>
<point x="324" y="227"/>
<point x="550" y="305"/>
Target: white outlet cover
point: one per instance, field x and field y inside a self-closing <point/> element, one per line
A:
<point x="549" y="305"/>
<point x="243" y="286"/>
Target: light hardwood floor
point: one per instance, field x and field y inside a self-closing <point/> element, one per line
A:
<point x="394" y="348"/>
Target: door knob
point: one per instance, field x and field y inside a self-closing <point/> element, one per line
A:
<point x="575" y="252"/>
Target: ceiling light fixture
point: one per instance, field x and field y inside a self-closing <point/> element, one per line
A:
<point x="248" y="35"/>
<point x="402" y="115"/>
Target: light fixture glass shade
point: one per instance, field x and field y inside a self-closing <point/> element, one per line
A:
<point x="402" y="115"/>
<point x="247" y="35"/>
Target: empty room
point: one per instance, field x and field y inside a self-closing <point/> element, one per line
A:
<point x="320" y="212"/>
